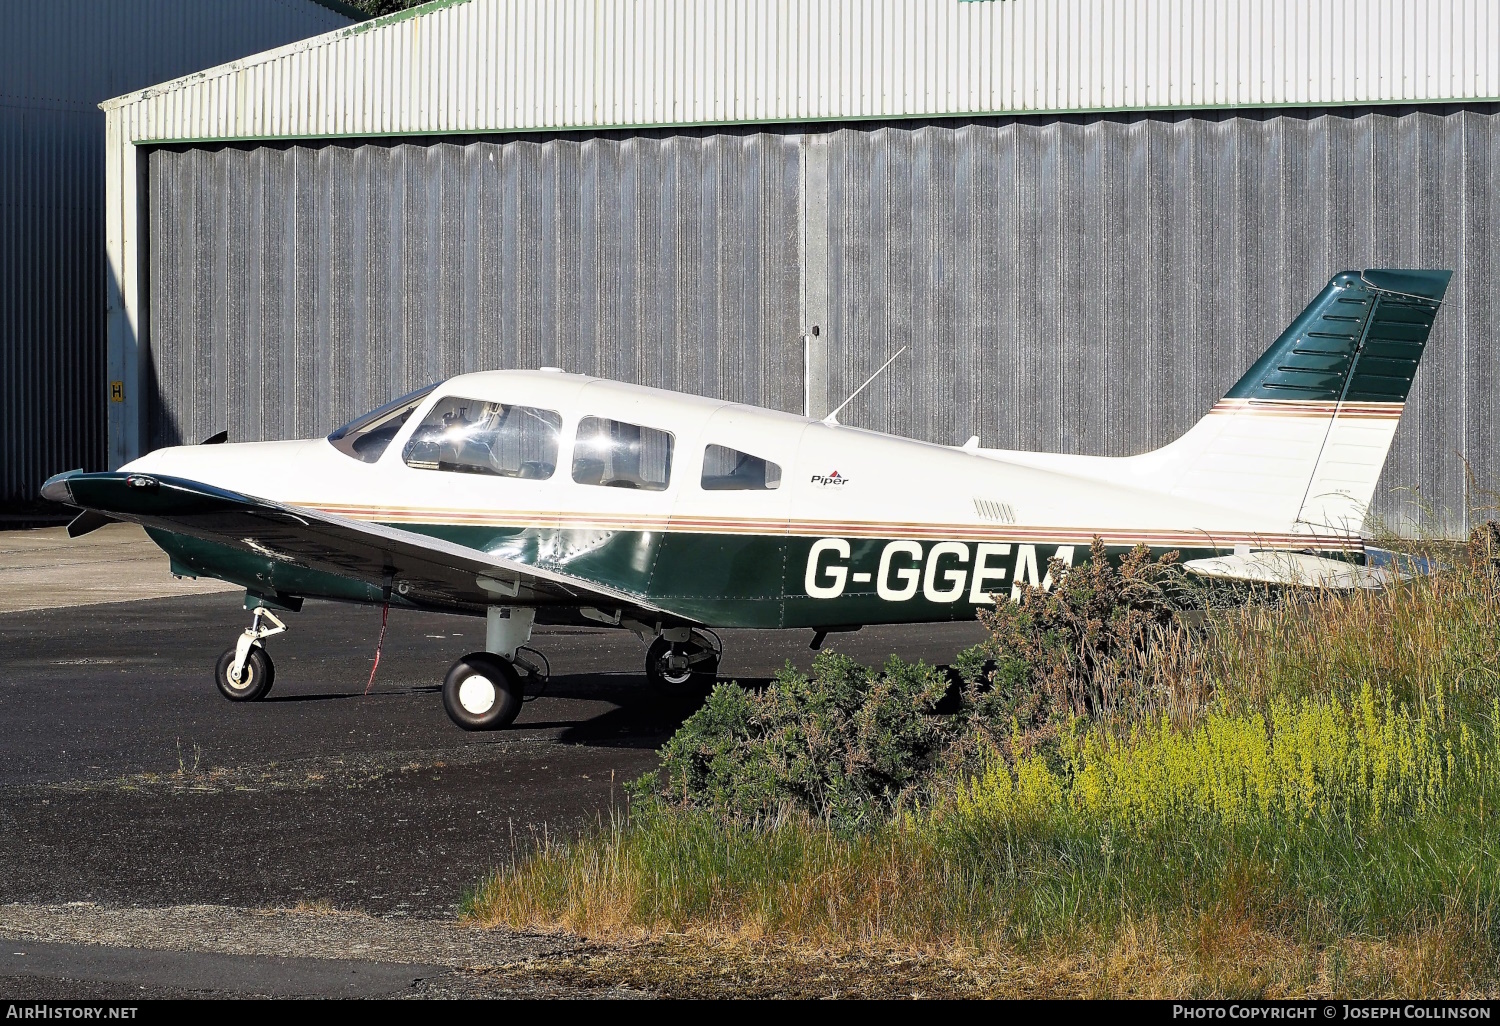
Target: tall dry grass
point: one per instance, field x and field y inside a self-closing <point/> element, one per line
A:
<point x="1427" y="640"/>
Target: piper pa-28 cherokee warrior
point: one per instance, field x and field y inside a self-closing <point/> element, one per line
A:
<point x="545" y="497"/>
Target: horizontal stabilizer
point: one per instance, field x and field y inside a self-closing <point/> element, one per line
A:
<point x="1299" y="569"/>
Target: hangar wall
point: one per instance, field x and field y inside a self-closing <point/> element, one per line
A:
<point x="1076" y="283"/>
<point x="292" y="288"/>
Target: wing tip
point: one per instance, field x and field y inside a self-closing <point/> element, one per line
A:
<point x="58" y="489"/>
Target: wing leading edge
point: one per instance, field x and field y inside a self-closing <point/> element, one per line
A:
<point x="278" y="543"/>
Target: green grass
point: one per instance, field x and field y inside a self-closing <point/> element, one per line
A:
<point x="1332" y="842"/>
<point x="1324" y="823"/>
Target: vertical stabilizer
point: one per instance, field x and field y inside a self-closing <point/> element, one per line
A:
<point x="1303" y="436"/>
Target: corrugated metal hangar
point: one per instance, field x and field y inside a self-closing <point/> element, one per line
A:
<point x="1085" y="217"/>
<point x="58" y="60"/>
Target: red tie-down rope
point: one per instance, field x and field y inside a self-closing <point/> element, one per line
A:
<point x="385" y="613"/>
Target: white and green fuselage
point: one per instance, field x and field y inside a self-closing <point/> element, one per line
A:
<point x="621" y="501"/>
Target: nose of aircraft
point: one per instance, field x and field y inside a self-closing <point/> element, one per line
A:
<point x="242" y="466"/>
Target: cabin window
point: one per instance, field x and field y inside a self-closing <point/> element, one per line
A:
<point x="619" y="455"/>
<point x="729" y="470"/>
<point x="366" y="438"/>
<point x="471" y="436"/>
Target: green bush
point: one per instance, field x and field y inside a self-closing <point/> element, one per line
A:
<point x="843" y="742"/>
<point x="851" y="744"/>
<point x="1107" y="639"/>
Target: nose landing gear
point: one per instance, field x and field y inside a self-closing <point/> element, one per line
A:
<point x="245" y="672"/>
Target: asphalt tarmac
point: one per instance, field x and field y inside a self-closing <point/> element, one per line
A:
<point x="174" y="974"/>
<point x="126" y="780"/>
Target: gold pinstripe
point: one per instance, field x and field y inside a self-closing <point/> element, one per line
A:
<point x="1308" y="408"/>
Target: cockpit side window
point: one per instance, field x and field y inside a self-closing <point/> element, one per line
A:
<point x="366" y="438"/>
<point x="729" y="470"/>
<point x="472" y="436"/>
<point x="620" y="455"/>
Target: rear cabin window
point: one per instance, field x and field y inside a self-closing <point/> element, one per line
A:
<point x="471" y="436"/>
<point x="615" y="454"/>
<point x="729" y="470"/>
<point x="366" y="438"/>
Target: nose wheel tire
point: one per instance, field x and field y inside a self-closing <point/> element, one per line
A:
<point x="682" y="670"/>
<point x="482" y="692"/>
<point x="255" y="679"/>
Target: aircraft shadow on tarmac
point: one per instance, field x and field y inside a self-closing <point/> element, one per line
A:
<point x="637" y="717"/>
<point x="640" y="718"/>
<point x="643" y="720"/>
<point x="416" y="690"/>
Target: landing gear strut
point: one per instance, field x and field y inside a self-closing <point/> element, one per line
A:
<point x="245" y="672"/>
<point x="484" y="690"/>
<point x="682" y="664"/>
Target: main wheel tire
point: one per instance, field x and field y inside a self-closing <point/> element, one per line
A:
<point x="691" y="682"/>
<point x="255" y="679"/>
<point x="482" y="692"/>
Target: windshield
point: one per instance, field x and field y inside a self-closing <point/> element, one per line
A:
<point x="365" y="438"/>
<point x="472" y="436"/>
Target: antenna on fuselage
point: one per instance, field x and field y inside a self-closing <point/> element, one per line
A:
<point x="832" y="418"/>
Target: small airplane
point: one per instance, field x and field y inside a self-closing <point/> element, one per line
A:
<point x="538" y="496"/>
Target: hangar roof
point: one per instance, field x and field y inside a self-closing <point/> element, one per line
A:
<point x="467" y="66"/>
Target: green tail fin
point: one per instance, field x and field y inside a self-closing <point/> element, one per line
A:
<point x="1359" y="341"/>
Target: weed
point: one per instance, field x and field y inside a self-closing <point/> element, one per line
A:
<point x="1107" y="641"/>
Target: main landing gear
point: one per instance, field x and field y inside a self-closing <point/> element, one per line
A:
<point x="245" y="673"/>
<point x="484" y="690"/>
<point x="683" y="663"/>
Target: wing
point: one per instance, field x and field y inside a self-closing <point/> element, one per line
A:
<point x="421" y="570"/>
